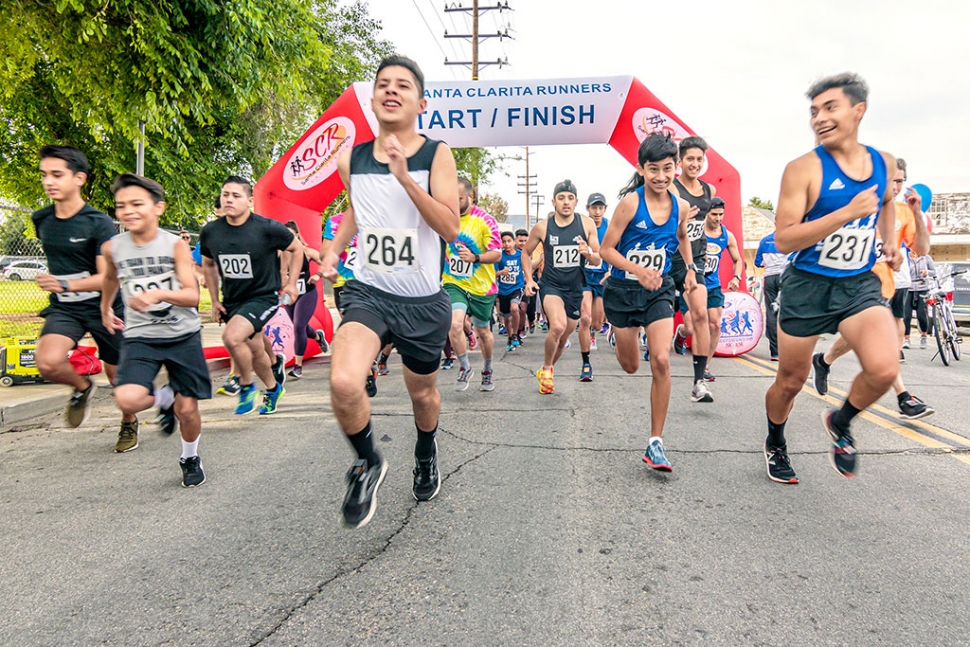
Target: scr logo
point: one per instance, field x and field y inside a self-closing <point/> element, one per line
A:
<point x="316" y="158"/>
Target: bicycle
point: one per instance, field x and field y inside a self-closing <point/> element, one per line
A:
<point x="945" y="329"/>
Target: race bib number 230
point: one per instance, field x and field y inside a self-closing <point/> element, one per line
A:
<point x="388" y="251"/>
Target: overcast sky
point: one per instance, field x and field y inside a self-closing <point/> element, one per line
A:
<point x="734" y="72"/>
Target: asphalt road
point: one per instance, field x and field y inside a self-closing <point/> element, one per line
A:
<point x="548" y="530"/>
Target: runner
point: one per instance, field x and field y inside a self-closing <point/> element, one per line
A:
<point x="153" y="271"/>
<point x="403" y="194"/>
<point x="72" y="233"/>
<point x="242" y="249"/>
<point x="568" y="243"/>
<point x="648" y="227"/>
<point x="719" y="238"/>
<point x="301" y="310"/>
<point x="511" y="287"/>
<point x="829" y="218"/>
<point x="591" y="315"/>
<point x="469" y="280"/>
<point x="774" y="263"/>
<point x="912" y="234"/>
<point x="698" y="193"/>
<point x="528" y="324"/>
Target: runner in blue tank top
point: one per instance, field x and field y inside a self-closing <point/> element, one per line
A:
<point x="832" y="201"/>
<point x="648" y="227"/>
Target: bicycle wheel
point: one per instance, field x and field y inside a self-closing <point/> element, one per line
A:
<point x="953" y="337"/>
<point x="940" y="332"/>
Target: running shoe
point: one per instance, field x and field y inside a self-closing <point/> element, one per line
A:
<point x="656" y="458"/>
<point x="643" y="340"/>
<point x="773" y="358"/>
<point x="247" y="399"/>
<point x="605" y="328"/>
<point x="922" y="342"/>
<point x="544" y="325"/>
<point x="371" y="384"/>
<point x="708" y="376"/>
<point x="279" y="369"/>
<point x="612" y="340"/>
<point x="360" y="501"/>
<point x="902" y="357"/>
<point x="546" y="381"/>
<point x="516" y="341"/>
<point x="587" y="374"/>
<point x="271" y="399"/>
<point x="192" y="474"/>
<point x="322" y="342"/>
<point x="510" y="346"/>
<point x="680" y="342"/>
<point x="167" y="420"/>
<point x="382" y="369"/>
<point x="842" y="453"/>
<point x="914" y="409"/>
<point x="532" y="329"/>
<point x="464" y="374"/>
<point x="820" y="374"/>
<point x="296" y="372"/>
<point x="700" y="392"/>
<point x="472" y="340"/>
<point x="501" y="329"/>
<point x="127" y="437"/>
<point x="906" y="343"/>
<point x="447" y="363"/>
<point x="592" y="343"/>
<point x="230" y="386"/>
<point x="427" y="478"/>
<point x="568" y="344"/>
<point x="646" y="355"/>
<point x="779" y="465"/>
<point x="487" y="384"/>
<point x="78" y="407"/>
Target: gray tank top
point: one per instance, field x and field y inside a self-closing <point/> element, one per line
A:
<point x="147" y="267"/>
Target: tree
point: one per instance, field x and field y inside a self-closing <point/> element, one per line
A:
<point x="223" y="87"/>
<point x="758" y="203"/>
<point x="495" y="205"/>
<point x="477" y="164"/>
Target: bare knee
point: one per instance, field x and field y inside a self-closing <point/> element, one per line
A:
<point x="186" y="408"/>
<point x="345" y="388"/>
<point x="425" y="396"/>
<point x="629" y="364"/>
<point x="660" y="366"/>
<point x="130" y="398"/>
<point x="790" y="385"/>
<point x="884" y="374"/>
<point x="50" y="363"/>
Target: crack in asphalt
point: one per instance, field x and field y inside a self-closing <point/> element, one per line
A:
<point x="289" y="613"/>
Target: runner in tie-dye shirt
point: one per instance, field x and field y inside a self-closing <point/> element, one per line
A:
<point x="469" y="279"/>
<point x="345" y="266"/>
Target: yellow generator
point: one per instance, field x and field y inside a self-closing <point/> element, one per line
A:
<point x="17" y="360"/>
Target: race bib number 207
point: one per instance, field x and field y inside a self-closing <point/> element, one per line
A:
<point x="388" y="251"/>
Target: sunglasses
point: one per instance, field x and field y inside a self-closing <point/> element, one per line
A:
<point x="186" y="237"/>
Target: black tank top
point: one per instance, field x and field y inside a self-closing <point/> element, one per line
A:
<point x="695" y="228"/>
<point x="563" y="267"/>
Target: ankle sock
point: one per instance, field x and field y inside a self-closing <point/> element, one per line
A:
<point x="363" y="443"/>
<point x="700" y="363"/>
<point x="843" y="417"/>
<point x="463" y="360"/>
<point x="776" y="434"/>
<point x="424" y="447"/>
<point x="190" y="449"/>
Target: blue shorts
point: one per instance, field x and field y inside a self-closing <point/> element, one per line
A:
<point x="715" y="299"/>
<point x="593" y="283"/>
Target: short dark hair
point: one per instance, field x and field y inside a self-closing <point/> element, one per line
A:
<point x="655" y="148"/>
<point x="218" y="202"/>
<point x="76" y="161"/>
<point x="396" y="60"/>
<point x="292" y="226"/>
<point x="692" y="142"/>
<point x="465" y="182"/>
<point x="853" y="85"/>
<point x="126" y="180"/>
<point x="521" y="232"/>
<point x="901" y="164"/>
<point x="508" y="233"/>
<point x="238" y="179"/>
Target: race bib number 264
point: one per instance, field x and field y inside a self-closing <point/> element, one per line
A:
<point x="389" y="251"/>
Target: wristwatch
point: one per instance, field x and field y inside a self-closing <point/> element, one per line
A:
<point x="477" y="258"/>
<point x="693" y="266"/>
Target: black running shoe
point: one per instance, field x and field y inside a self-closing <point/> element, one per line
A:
<point x="447" y="363"/>
<point x="779" y="465"/>
<point x="167" y="420"/>
<point x="842" y="454"/>
<point x="361" y="499"/>
<point x="427" y="478"/>
<point x="820" y="374"/>
<point x="371" y="384"/>
<point x="192" y="474"/>
<point x="914" y="409"/>
<point x="279" y="369"/>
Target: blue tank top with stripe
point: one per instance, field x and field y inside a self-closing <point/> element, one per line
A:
<point x="646" y="243"/>
<point x="851" y="250"/>
<point x="712" y="265"/>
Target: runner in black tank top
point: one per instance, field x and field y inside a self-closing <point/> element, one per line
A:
<point x="568" y="241"/>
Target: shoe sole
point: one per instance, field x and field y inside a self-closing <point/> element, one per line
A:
<point x="246" y="413"/>
<point x="659" y="468"/>
<point x="196" y="484"/>
<point x="925" y="414"/>
<point x="585" y="379"/>
<point x="275" y="408"/>
<point x="125" y="451"/>
<point x="706" y="398"/>
<point x="373" y="502"/>
<point x="791" y="481"/>
<point x="87" y="409"/>
<point x="815" y="386"/>
<point x="489" y="387"/>
<point x="831" y="453"/>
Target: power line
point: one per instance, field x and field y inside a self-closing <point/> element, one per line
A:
<point x="431" y="31"/>
<point x="454" y="49"/>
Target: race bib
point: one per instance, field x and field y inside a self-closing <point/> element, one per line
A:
<point x="711" y="264"/>
<point x="301" y="286"/>
<point x="73" y="297"/>
<point x="460" y="269"/>
<point x="509" y="279"/>
<point x="134" y="286"/>
<point x="351" y="261"/>
<point x="695" y="229"/>
<point x="389" y="251"/>
<point x="879" y="256"/>
<point x="652" y="259"/>
<point x="590" y="266"/>
<point x="236" y="266"/>
<point x="847" y="249"/>
<point x="565" y="256"/>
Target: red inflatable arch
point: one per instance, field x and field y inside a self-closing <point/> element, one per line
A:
<point x="618" y="110"/>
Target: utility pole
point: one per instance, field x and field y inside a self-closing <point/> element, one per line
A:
<point x="476" y="36"/>
<point x="528" y="185"/>
<point x="538" y="199"/>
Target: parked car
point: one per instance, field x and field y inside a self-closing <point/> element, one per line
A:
<point x="961" y="289"/>
<point x="24" y="270"/>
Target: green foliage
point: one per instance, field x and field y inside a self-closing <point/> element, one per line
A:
<point x="477" y="164"/>
<point x="17" y="235"/>
<point x="495" y="205"/>
<point x="758" y="203"/>
<point x="223" y="87"/>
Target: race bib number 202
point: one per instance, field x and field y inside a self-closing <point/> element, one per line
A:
<point x="236" y="266"/>
<point x="388" y="251"/>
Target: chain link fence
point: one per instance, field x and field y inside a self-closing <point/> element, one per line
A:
<point x="21" y="260"/>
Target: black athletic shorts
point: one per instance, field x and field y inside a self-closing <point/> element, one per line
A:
<point x="678" y="272"/>
<point x="182" y="357"/>
<point x="417" y="326"/>
<point x="814" y="304"/>
<point x="336" y="298"/>
<point x="257" y="311"/>
<point x="75" y="319"/>
<point x="629" y="305"/>
<point x="899" y="302"/>
<point x="507" y="301"/>
<point x="572" y="299"/>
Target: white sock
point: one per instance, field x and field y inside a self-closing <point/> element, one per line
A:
<point x="656" y="440"/>
<point x="164" y="397"/>
<point x="190" y="449"/>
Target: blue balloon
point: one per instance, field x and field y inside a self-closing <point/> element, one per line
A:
<point x="926" y="196"/>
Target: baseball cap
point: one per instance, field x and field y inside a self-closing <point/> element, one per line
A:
<point x="565" y="186"/>
<point x="717" y="202"/>
<point x="595" y="198"/>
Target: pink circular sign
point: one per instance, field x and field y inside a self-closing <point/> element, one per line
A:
<point x="742" y="324"/>
<point x="279" y="329"/>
